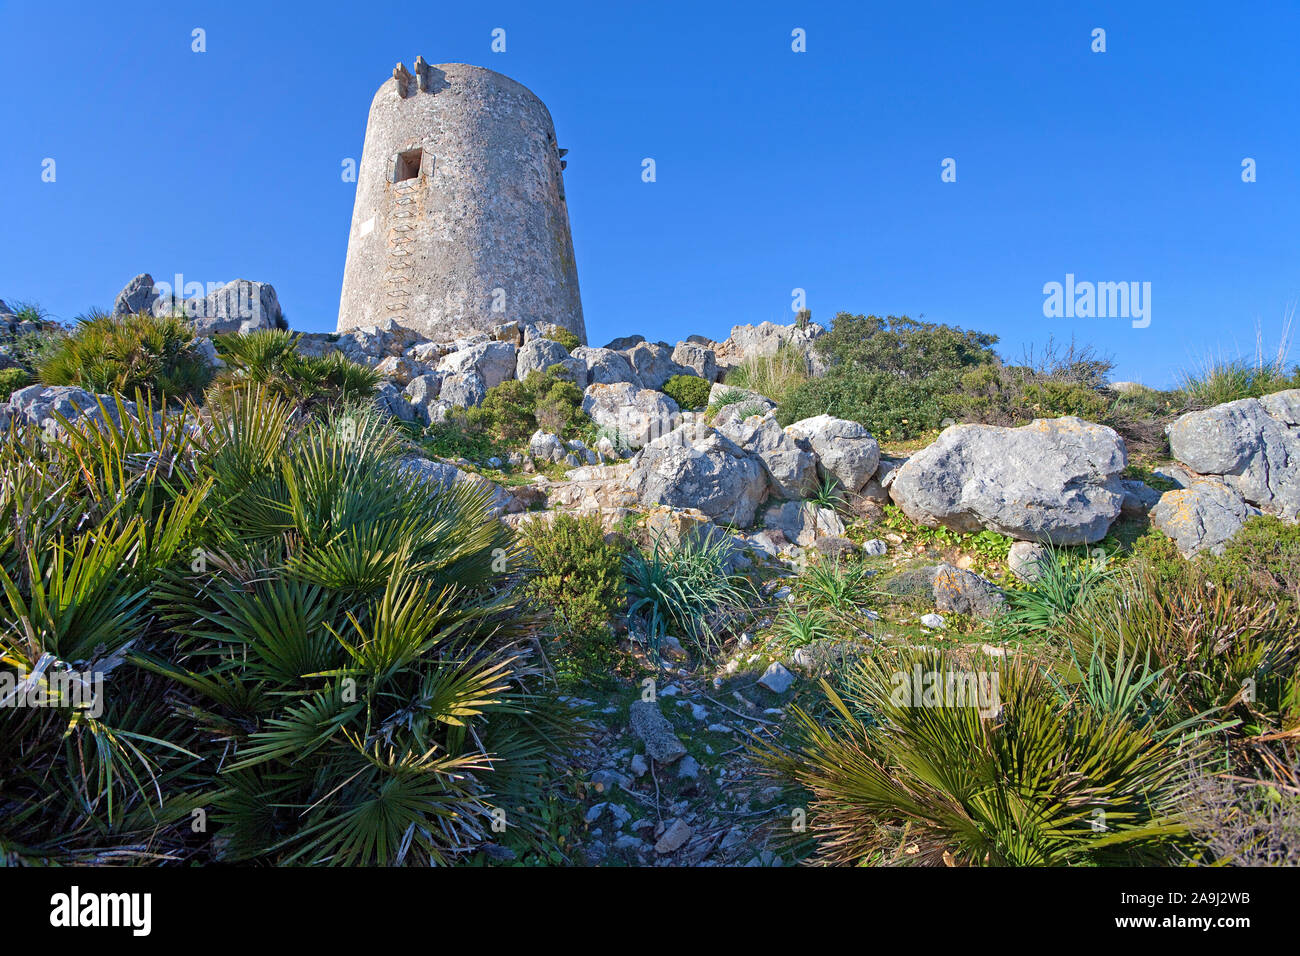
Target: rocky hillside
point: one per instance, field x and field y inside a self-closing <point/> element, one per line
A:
<point x="687" y="558"/>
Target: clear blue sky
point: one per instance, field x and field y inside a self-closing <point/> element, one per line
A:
<point x="776" y="170"/>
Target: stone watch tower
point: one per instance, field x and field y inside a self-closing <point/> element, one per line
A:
<point x="460" y="222"/>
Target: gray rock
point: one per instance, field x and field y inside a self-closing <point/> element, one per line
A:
<point x="1053" y="480"/>
<point x="631" y="417"/>
<point x="493" y="361"/>
<point x="139" y="295"/>
<point x="776" y="678"/>
<point x="791" y="469"/>
<point x="698" y="358"/>
<point x="540" y="354"/>
<point x="606" y="367"/>
<point x="639" y="766"/>
<point x="802" y="522"/>
<point x="1253" y="443"/>
<point x="1202" y="517"/>
<point x="661" y="743"/>
<point x="422" y="392"/>
<point x="845" y="450"/>
<point x="875" y="548"/>
<point x="1139" y="498"/>
<point x="1025" y="559"/>
<point x="624" y="342"/>
<point x="546" y="446"/>
<point x="463" y="389"/>
<point x="653" y="364"/>
<point x="239" y="306"/>
<point x="399" y="369"/>
<point x="674" y="838"/>
<point x="933" y="621"/>
<point x="964" y="592"/>
<point x="441" y="473"/>
<point x="392" y="402"/>
<point x="697" y="467"/>
<point x="39" y="404"/>
<point x="688" y="768"/>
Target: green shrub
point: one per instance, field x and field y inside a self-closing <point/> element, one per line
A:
<point x="1265" y="553"/>
<point x="350" y="643"/>
<point x="515" y="409"/>
<point x="772" y="376"/>
<point x="688" y="391"/>
<point x="156" y="356"/>
<point x="576" y="576"/>
<point x="890" y="374"/>
<point x="566" y="338"/>
<point x="986" y="768"/>
<point x="1063" y="580"/>
<point x="460" y="435"/>
<point x="12" y="379"/>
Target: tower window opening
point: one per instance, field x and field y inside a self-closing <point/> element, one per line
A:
<point x="408" y="165"/>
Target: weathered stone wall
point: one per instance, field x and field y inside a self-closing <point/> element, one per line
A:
<point x="485" y="213"/>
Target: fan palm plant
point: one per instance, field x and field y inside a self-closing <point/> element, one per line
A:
<point x="351" y="652"/>
<point x="1015" y="779"/>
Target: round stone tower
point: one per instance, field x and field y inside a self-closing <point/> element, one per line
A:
<point x="460" y="223"/>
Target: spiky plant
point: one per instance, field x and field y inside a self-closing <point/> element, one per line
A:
<point x="1062" y="580"/>
<point x="1227" y="649"/>
<point x="155" y="355"/>
<point x="93" y="765"/>
<point x="352" y="658"/>
<point x="685" y="587"/>
<point x="910" y="771"/>
<point x="270" y="358"/>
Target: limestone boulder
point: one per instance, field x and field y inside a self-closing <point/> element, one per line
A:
<point x="1025" y="560"/>
<point x="1202" y="517"/>
<point x="695" y="466"/>
<point x="845" y="450"/>
<point x="631" y="416"/>
<point x="1053" y="481"/>
<point x="423" y="394"/>
<point x="1253" y="444"/>
<point x="766" y="339"/>
<point x="791" y="469"/>
<point x="606" y="367"/>
<point x="802" y="523"/>
<point x="138" y="295"/>
<point x="538" y="355"/>
<point x="463" y="389"/>
<point x="624" y="342"/>
<point x="40" y="404"/>
<point x="390" y="400"/>
<point x="653" y="364"/>
<point x="957" y="591"/>
<point x="240" y="306"/>
<point x="399" y="369"/>
<point x="546" y="446"/>
<point x="493" y="361"/>
<point x="443" y="475"/>
<point x="697" y="357"/>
